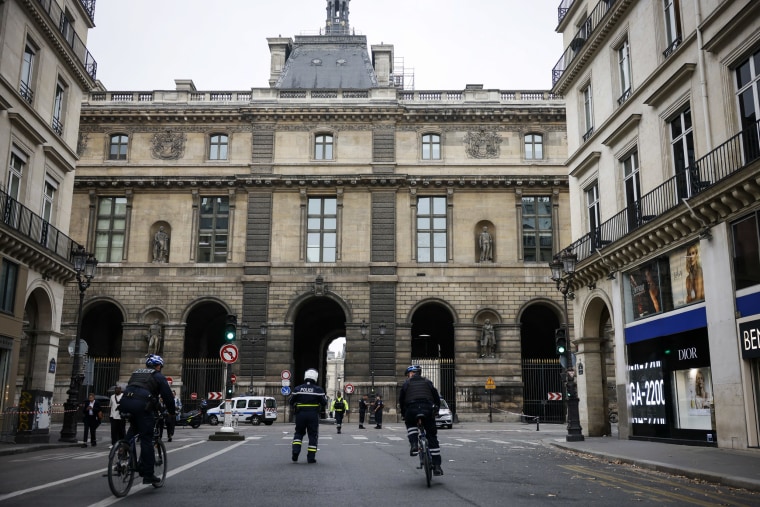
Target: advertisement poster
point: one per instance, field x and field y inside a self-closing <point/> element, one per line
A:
<point x="686" y="276"/>
<point x="645" y="291"/>
<point x="694" y="400"/>
<point x="645" y="392"/>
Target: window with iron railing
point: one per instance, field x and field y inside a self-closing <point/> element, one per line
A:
<point x="27" y="73"/>
<point x="672" y="13"/>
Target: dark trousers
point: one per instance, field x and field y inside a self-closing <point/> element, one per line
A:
<point x="118" y="430"/>
<point x="379" y="417"/>
<point x="142" y="423"/>
<point x="362" y="413"/>
<point x="307" y="422"/>
<point x="410" y="420"/>
<point x="339" y="418"/>
<point x="91" y="423"/>
<point x="171" y="423"/>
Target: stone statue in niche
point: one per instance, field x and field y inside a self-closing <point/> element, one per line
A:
<point x="154" y="337"/>
<point x="161" y="246"/>
<point x="485" y="242"/>
<point x="487" y="340"/>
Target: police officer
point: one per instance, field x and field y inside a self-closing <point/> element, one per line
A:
<point x="339" y="407"/>
<point x="307" y="402"/>
<point x="419" y="396"/>
<point x="140" y="400"/>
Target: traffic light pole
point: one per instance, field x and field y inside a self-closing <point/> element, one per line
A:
<point x="227" y="426"/>
<point x="229" y="354"/>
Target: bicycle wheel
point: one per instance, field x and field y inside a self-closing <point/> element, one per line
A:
<point x="120" y="470"/>
<point x="425" y="460"/>
<point x="160" y="467"/>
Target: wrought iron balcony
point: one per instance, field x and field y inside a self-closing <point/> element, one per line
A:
<point x="579" y="40"/>
<point x="56" y="15"/>
<point x="89" y="7"/>
<point x="57" y="126"/>
<point x="28" y="224"/>
<point x="564" y="7"/>
<point x="733" y="156"/>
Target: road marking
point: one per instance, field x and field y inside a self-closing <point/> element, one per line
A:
<point x="465" y="440"/>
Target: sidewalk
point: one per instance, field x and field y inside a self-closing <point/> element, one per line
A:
<point x="735" y="468"/>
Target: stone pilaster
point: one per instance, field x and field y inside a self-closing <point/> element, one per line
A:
<point x="592" y="386"/>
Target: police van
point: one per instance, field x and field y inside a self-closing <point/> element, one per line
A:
<point x="252" y="409"/>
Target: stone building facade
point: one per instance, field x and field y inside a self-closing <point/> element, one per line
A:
<point x="332" y="203"/>
<point x="45" y="70"/>
<point x="663" y="105"/>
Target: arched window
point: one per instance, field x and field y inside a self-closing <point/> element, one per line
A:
<point x="534" y="147"/>
<point x="323" y="147"/>
<point x="118" y="147"/>
<point x="217" y="149"/>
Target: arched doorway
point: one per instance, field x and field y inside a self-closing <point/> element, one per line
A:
<point x="203" y="371"/>
<point x="319" y="321"/>
<point x="433" y="347"/>
<point x="101" y="329"/>
<point x="541" y="370"/>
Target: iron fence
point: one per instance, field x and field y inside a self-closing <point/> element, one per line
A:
<point x="542" y="380"/>
<point x="201" y="376"/>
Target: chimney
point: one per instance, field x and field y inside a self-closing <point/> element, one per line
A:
<point x="382" y="60"/>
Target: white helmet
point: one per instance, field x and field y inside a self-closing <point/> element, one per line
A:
<point x="311" y="374"/>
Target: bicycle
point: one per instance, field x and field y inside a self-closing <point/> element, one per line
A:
<point x="123" y="461"/>
<point x="423" y="450"/>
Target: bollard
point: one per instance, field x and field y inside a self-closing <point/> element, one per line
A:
<point x="538" y="428"/>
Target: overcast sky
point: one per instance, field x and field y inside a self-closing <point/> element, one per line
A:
<point x="221" y="45"/>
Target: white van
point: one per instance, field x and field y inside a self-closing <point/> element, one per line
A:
<point x="252" y="409"/>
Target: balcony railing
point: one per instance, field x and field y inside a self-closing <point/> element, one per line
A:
<point x="580" y="38"/>
<point x="564" y="6"/>
<point x="89" y="7"/>
<point x="32" y="226"/>
<point x="56" y="14"/>
<point x="731" y="157"/>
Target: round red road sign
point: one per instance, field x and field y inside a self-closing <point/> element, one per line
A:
<point x="169" y="380"/>
<point x="193" y="396"/>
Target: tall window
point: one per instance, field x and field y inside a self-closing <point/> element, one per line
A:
<point x="58" y="102"/>
<point x="748" y="92"/>
<point x="632" y="189"/>
<point x="15" y="172"/>
<point x="27" y="73"/>
<point x="431" y="147"/>
<point x="431" y="229"/>
<point x="218" y="147"/>
<point x="537" y="228"/>
<point x="624" y="66"/>
<point x="592" y="207"/>
<point x="48" y="201"/>
<point x="111" y="229"/>
<point x="67" y="27"/>
<point x="323" y="147"/>
<point x="746" y="251"/>
<point x="213" y="230"/>
<point x="672" y="26"/>
<point x="118" y="145"/>
<point x="588" y="113"/>
<point x="322" y="229"/>
<point x="8" y="281"/>
<point x="682" y="146"/>
<point x="534" y="147"/>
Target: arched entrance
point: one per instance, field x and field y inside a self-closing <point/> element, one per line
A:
<point x="102" y="325"/>
<point x="433" y="347"/>
<point x="541" y="371"/>
<point x="203" y="371"/>
<point x="318" y="322"/>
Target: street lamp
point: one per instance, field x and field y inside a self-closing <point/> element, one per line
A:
<point x="372" y="340"/>
<point x="563" y="272"/>
<point x="84" y="264"/>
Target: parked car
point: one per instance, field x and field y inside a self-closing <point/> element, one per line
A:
<point x="445" y="418"/>
<point x="252" y="409"/>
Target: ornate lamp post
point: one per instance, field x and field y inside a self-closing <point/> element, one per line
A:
<point x="85" y="265"/>
<point x="563" y="272"/>
<point x="372" y="340"/>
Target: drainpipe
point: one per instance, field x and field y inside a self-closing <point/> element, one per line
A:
<point x="702" y="76"/>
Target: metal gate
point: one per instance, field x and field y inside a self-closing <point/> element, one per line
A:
<point x="441" y="373"/>
<point x="101" y="374"/>
<point x="541" y="377"/>
<point x="201" y="376"/>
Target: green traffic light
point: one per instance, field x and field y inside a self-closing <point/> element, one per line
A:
<point x="560" y="349"/>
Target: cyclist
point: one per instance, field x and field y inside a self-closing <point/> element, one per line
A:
<point x="140" y="400"/>
<point x="419" y="396"/>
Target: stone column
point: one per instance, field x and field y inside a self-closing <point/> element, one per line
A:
<point x="591" y="386"/>
<point x="46" y="348"/>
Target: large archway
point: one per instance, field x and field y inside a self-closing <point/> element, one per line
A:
<point x="319" y="320"/>
<point x="433" y="347"/>
<point x="541" y="370"/>
<point x="102" y="328"/>
<point x="203" y="371"/>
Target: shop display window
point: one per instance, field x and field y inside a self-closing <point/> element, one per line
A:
<point x="692" y="393"/>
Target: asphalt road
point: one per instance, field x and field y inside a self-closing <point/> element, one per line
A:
<point x="484" y="465"/>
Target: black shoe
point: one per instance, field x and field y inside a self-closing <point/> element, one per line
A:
<point x="151" y="479"/>
<point x="437" y="470"/>
<point x="413" y="450"/>
<point x="339" y="430"/>
<point x="169" y="439"/>
<point x="311" y="461"/>
<point x="294" y="457"/>
<point x="361" y="427"/>
<point x="378" y="427"/>
<point x="94" y="444"/>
